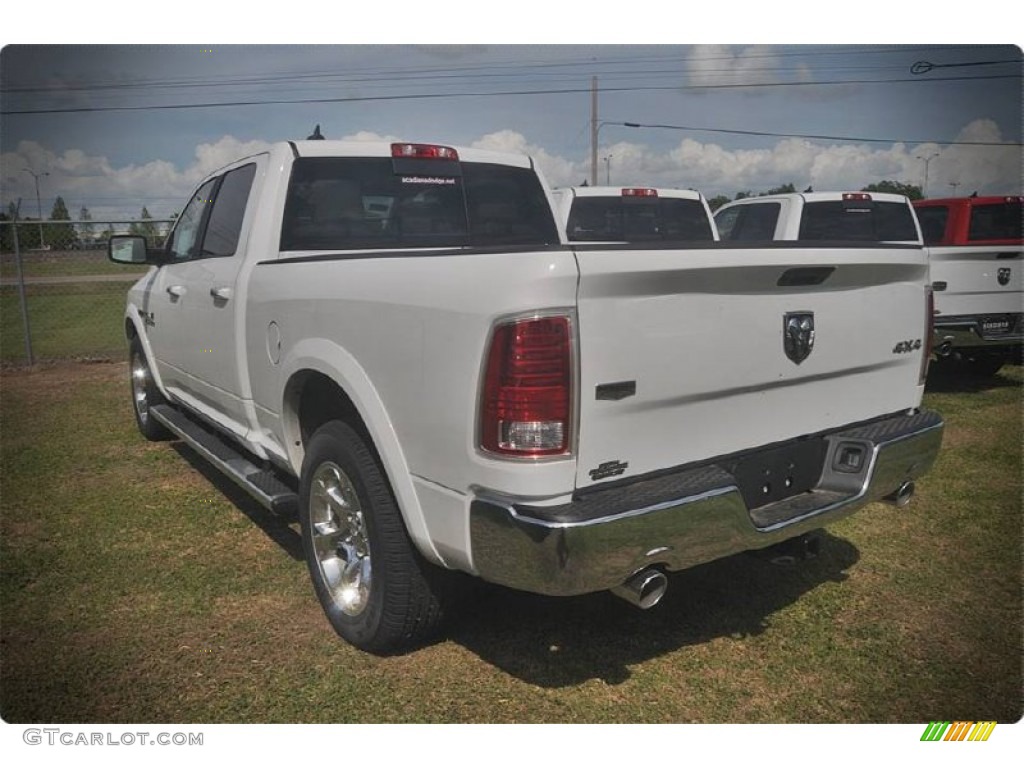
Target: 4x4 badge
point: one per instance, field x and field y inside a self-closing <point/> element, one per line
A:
<point x="1003" y="276"/>
<point x="798" y="335"/>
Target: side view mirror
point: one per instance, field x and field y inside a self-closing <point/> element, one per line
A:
<point x="131" y="249"/>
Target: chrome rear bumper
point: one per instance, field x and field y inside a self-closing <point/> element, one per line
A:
<point x="680" y="520"/>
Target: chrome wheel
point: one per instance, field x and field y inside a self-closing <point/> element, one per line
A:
<point x="140" y="387"/>
<point x="340" y="539"/>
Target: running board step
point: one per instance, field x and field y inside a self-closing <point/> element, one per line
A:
<point x="263" y="485"/>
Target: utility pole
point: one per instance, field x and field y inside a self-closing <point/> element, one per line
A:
<point x="954" y="185"/>
<point x="593" y="131"/>
<point x="39" y="204"/>
<point x="927" y="160"/>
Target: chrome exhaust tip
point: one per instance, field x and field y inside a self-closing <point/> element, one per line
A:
<point x="902" y="495"/>
<point x="643" y="589"/>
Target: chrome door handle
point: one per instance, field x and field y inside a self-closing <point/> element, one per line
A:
<point x="176" y="290"/>
<point x="223" y="293"/>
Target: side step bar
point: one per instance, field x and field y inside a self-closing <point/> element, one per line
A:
<point x="263" y="485"/>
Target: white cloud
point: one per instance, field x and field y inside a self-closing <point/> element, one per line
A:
<point x="714" y="169"/>
<point x="722" y="65"/>
<point x="120" y="192"/>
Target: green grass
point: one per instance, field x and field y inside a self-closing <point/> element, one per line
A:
<point x="135" y="586"/>
<point x="65" y="264"/>
<point x="74" y="320"/>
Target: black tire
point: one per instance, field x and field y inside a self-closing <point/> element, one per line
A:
<point x="145" y="394"/>
<point x="376" y="589"/>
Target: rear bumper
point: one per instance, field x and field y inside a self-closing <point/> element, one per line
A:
<point x="969" y="332"/>
<point x="683" y="519"/>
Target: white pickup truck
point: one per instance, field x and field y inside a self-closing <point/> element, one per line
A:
<point x="976" y="245"/>
<point x="399" y="341"/>
<point x="860" y="217"/>
<point x="633" y="215"/>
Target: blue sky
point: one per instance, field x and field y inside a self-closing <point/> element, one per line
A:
<point x="115" y="160"/>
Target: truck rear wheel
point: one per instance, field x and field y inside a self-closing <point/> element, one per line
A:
<point x="376" y="589"/>
<point x="145" y="394"/>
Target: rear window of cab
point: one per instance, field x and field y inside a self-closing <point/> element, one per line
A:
<point x="871" y="221"/>
<point x="338" y="203"/>
<point x="637" y="219"/>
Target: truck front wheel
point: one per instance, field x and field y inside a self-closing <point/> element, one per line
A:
<point x="377" y="591"/>
<point x="145" y="394"/>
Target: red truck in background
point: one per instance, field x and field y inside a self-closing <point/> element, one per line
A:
<point x="975" y="247"/>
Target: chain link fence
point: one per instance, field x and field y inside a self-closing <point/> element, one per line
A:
<point x="60" y="297"/>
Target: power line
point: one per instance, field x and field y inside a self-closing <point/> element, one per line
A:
<point x="480" y="94"/>
<point x="589" y="63"/>
<point x="813" y="135"/>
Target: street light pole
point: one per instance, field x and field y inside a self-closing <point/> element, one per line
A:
<point x="608" y="170"/>
<point x="927" y="161"/>
<point x="954" y="185"/>
<point x="39" y="203"/>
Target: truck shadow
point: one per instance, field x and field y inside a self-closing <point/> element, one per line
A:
<point x="952" y="377"/>
<point x="559" y="642"/>
<point x="278" y="528"/>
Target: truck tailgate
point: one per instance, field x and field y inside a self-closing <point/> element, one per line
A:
<point x="978" y="279"/>
<point x="682" y="353"/>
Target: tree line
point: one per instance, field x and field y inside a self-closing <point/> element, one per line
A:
<point x="80" y="233"/>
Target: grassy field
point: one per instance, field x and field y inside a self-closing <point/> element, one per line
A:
<point x="139" y="587"/>
<point x="73" y="320"/>
<point x="64" y="263"/>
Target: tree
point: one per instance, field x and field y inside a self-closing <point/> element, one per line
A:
<point x="897" y="188"/>
<point x="785" y="189"/>
<point x="717" y="202"/>
<point x="85" y="229"/>
<point x="146" y="228"/>
<point x="60" y="235"/>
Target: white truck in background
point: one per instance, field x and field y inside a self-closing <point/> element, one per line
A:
<point x="399" y="342"/>
<point x="634" y="215"/>
<point x="976" y="245"/>
<point x="839" y="217"/>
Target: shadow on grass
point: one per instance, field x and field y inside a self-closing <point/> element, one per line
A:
<point x="276" y="527"/>
<point x="559" y="642"/>
<point x="950" y="376"/>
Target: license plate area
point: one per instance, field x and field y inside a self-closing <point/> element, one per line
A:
<point x="997" y="325"/>
<point x="774" y="474"/>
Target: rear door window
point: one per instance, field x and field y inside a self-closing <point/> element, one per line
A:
<point x="635" y="219"/>
<point x="933" y="220"/>
<point x="999" y="221"/>
<point x="873" y="222"/>
<point x="225" y="224"/>
<point x="756" y="221"/>
<point x="373" y="202"/>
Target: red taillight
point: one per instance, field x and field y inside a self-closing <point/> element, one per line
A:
<point x="427" y="151"/>
<point x="929" y="334"/>
<point x="639" y="192"/>
<point x="526" y="404"/>
<point x="856" y="197"/>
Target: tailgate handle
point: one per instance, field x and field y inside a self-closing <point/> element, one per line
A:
<point x="618" y="390"/>
<point x="805" y="276"/>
